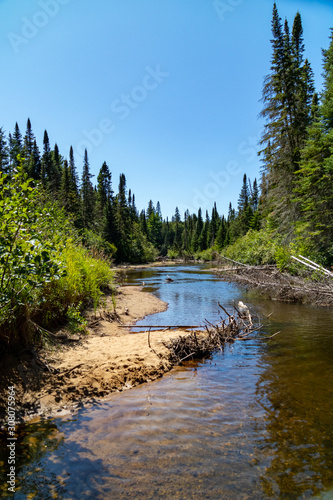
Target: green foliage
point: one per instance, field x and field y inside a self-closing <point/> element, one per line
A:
<point x="83" y="283"/>
<point x="76" y="323"/>
<point x="207" y="255"/>
<point x="97" y="245"/>
<point x="255" y="248"/>
<point x="173" y="254"/>
<point x="45" y="273"/>
<point x="28" y="256"/>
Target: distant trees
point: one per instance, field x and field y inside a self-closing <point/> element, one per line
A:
<point x="295" y="197"/>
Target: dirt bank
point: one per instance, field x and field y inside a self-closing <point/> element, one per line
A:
<point x="110" y="358"/>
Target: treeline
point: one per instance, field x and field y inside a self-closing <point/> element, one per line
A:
<point x="110" y="222"/>
<point x="293" y="204"/>
<point x="297" y="181"/>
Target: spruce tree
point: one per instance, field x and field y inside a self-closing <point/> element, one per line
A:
<point x="87" y="195"/>
<point x="65" y="186"/>
<point x="16" y="146"/>
<point x="35" y="163"/>
<point x="46" y="167"/>
<point x="103" y="188"/>
<point x="4" y="154"/>
<point x="287" y="95"/>
<point x="314" y="189"/>
<point x="56" y="169"/>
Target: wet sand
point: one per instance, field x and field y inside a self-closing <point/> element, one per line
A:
<point x="109" y="359"/>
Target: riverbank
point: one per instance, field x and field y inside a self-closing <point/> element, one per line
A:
<point x="109" y="359"/>
<point x="276" y="285"/>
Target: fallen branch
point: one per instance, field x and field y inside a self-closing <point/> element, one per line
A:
<point x="268" y="338"/>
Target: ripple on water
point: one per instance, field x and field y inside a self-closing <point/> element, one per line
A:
<point x="252" y="422"/>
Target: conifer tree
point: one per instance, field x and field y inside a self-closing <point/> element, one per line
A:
<point x="16" y="146"/>
<point x="56" y="169"/>
<point x="314" y="187"/>
<point x="74" y="203"/>
<point x="254" y="196"/>
<point x="103" y="188"/>
<point x="46" y="167"/>
<point x="287" y="95"/>
<point x="74" y="182"/>
<point x="35" y="164"/>
<point x="87" y="195"/>
<point x="4" y="154"/>
<point x="65" y="186"/>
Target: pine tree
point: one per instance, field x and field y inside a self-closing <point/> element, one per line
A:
<point x="243" y="200"/>
<point x="287" y="98"/>
<point x="178" y="230"/>
<point x="314" y="188"/>
<point x="16" y="147"/>
<point x="74" y="182"/>
<point x="4" y="154"/>
<point x="46" y="167"/>
<point x="56" y="169"/>
<point x="103" y="188"/>
<point x="74" y="202"/>
<point x="65" y="186"/>
<point x="28" y="146"/>
<point x="221" y="234"/>
<point x="87" y="195"/>
<point x="254" y="196"/>
<point x="35" y="164"/>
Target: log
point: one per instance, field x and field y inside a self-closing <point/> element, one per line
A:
<point x="234" y="261"/>
<point x="161" y="326"/>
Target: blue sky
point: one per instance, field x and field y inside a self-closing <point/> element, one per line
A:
<point x="166" y="91"/>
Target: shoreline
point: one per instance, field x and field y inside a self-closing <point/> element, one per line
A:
<point x="276" y="285"/>
<point x="109" y="359"/>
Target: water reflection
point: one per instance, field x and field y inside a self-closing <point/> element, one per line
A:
<point x="295" y="390"/>
<point x="254" y="421"/>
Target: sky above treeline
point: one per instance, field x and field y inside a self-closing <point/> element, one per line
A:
<point x="165" y="91"/>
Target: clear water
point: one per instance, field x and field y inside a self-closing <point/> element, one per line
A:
<point x="252" y="422"/>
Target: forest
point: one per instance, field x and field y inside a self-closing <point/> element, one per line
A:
<point x="60" y="231"/>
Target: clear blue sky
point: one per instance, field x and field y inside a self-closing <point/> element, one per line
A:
<point x="166" y="91"/>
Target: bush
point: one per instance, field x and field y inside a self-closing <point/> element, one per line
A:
<point x="43" y="268"/>
<point x="255" y="248"/>
<point x="83" y="283"/>
<point x="207" y="255"/>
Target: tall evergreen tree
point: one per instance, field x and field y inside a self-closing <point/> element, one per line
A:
<point x="314" y="187"/>
<point x="16" y="146"/>
<point x="46" y="167"/>
<point x="4" y="154"/>
<point x="287" y="95"/>
<point x="87" y="195"/>
<point x="104" y="190"/>
<point x="56" y="169"/>
<point x="65" y="186"/>
<point x="35" y="164"/>
<point x="28" y="147"/>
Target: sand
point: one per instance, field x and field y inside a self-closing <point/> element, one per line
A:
<point x="109" y="359"/>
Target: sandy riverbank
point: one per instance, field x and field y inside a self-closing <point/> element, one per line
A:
<point x="109" y="359"/>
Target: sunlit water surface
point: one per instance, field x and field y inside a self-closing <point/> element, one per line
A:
<point x="252" y="422"/>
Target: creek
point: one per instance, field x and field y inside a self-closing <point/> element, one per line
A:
<point x="254" y="421"/>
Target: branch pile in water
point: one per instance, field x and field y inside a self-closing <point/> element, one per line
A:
<point x="199" y="344"/>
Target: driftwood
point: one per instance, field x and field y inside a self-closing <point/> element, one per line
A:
<point x="283" y="286"/>
<point x="200" y="344"/>
<point x="312" y="265"/>
<point x="181" y="327"/>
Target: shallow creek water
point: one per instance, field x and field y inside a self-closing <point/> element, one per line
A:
<point x="254" y="421"/>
